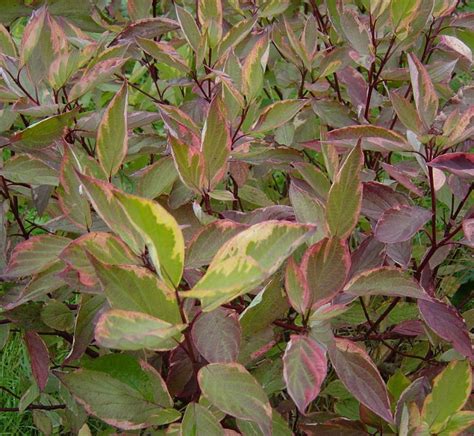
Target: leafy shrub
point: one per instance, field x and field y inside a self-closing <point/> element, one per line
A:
<point x="252" y="217"/>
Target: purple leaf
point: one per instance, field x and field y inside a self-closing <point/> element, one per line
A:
<point x="460" y="164"/>
<point x="361" y="377"/>
<point x="39" y="358"/>
<point x="400" y="223"/>
<point x="446" y="322"/>
<point x="402" y="178"/>
<point x="304" y="370"/>
<point x="377" y="198"/>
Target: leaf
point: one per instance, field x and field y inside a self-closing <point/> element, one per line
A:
<point x="386" y="281"/>
<point x="304" y="370"/>
<point x="134" y="288"/>
<point x="35" y="255"/>
<point x="112" y="135"/>
<point x="161" y="234"/>
<point x="156" y="179"/>
<point x="43" y="133"/>
<point x="253" y="68"/>
<point x="145" y="28"/>
<point x="57" y="316"/>
<point x="446" y="322"/>
<point x="189" y="27"/>
<point x="297" y="287"/>
<point x="210" y="15"/>
<point x="459" y="164"/>
<point x="345" y="195"/>
<point x="99" y="73"/>
<point x="164" y="53"/>
<point x="207" y="241"/>
<point x="128" y="330"/>
<point x="451" y="390"/>
<point x="86" y="318"/>
<point x="325" y="266"/>
<point x="39" y="358"/>
<point x="216" y="335"/>
<point x="120" y="393"/>
<point x="277" y="114"/>
<point x="235" y="35"/>
<point x="457" y="423"/>
<point x="406" y="112"/>
<point x="401" y="223"/>
<point x="424" y="93"/>
<point x="215" y="143"/>
<point x="232" y="389"/>
<point x="361" y="377"/>
<point x="25" y="168"/>
<point x="365" y="131"/>
<point x="377" y="198"/>
<point x="246" y="260"/>
<point x="199" y="420"/>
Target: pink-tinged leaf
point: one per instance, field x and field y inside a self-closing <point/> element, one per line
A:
<point x="446" y="322"/>
<point x="345" y="195"/>
<point x="215" y="143"/>
<point x="361" y="377"/>
<point x="297" y="287"/>
<point x="424" y="92"/>
<point x="277" y="114"/>
<point x="112" y="135"/>
<point x="99" y="73"/>
<point x="365" y="131"/>
<point x="304" y="370"/>
<point x="377" y="198"/>
<point x="253" y="68"/>
<point x="460" y="164"/>
<point x="468" y="229"/>
<point x="412" y="327"/>
<point x="325" y="266"/>
<point x="35" y="255"/>
<point x="385" y="281"/>
<point x="164" y="53"/>
<point x="145" y="28"/>
<point x="402" y="178"/>
<point x="39" y="358"/>
<point x="217" y="335"/>
<point x="400" y="223"/>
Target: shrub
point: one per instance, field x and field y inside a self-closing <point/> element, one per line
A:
<point x="249" y="217"/>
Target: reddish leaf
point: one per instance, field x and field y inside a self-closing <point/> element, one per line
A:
<point x="377" y="198"/>
<point x="39" y="358"/>
<point x="446" y="322"/>
<point x="400" y="223"/>
<point x="304" y="370"/>
<point x="460" y="164"/>
<point x="360" y="376"/>
<point x="402" y="178"/>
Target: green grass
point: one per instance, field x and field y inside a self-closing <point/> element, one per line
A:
<point x="14" y="375"/>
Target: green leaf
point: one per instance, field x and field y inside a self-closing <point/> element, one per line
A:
<point x="161" y="234"/>
<point x="210" y="15"/>
<point x="43" y="133"/>
<point x="253" y="68"/>
<point x="164" y="53"/>
<point x="25" y="168"/>
<point x="127" y="330"/>
<point x="277" y="114"/>
<point x="457" y="423"/>
<point x="129" y="287"/>
<point x="451" y="390"/>
<point x="57" y="316"/>
<point x="197" y="420"/>
<point x="215" y="143"/>
<point x="189" y="27"/>
<point x="345" y="195"/>
<point x="232" y="389"/>
<point x="113" y="394"/>
<point x="156" y="179"/>
<point x="235" y="35"/>
<point x="387" y="281"/>
<point x="112" y="135"/>
<point x="406" y="112"/>
<point x="424" y="94"/>
<point x="304" y="369"/>
<point x="246" y="260"/>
